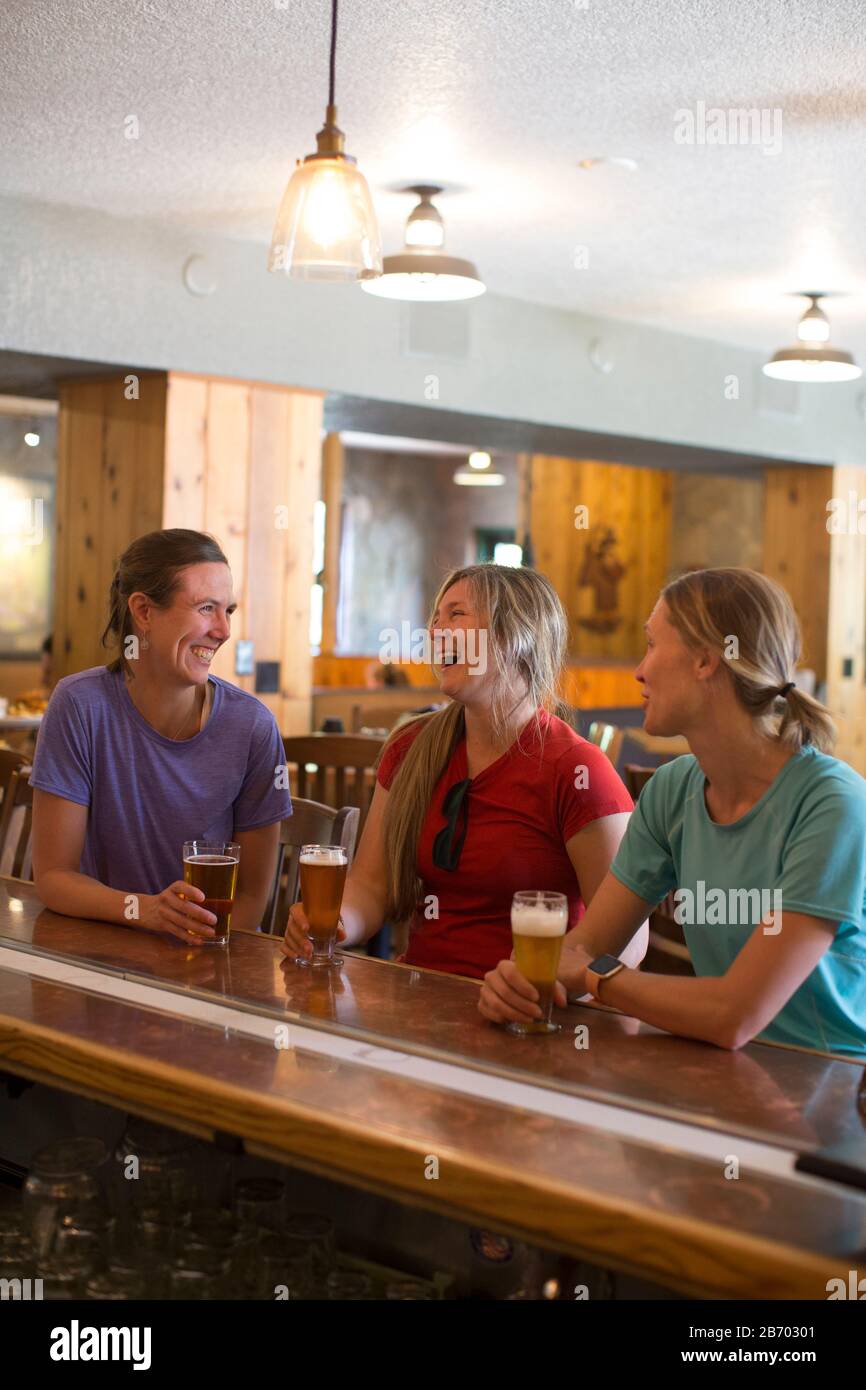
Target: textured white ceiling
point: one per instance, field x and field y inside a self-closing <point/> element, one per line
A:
<point x="499" y="99"/>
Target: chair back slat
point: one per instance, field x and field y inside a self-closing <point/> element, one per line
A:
<point x="310" y="824"/>
<point x="16" y="825"/>
<point x="343" y="773"/>
<point x="608" y="738"/>
<point x="636" y="778"/>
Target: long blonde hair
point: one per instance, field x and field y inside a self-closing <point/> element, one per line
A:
<point x="750" y="619"/>
<point x="527" y="636"/>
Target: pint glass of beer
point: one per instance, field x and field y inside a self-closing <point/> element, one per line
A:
<point x="323" y="873"/>
<point x="538" y="924"/>
<point x="213" y="867"/>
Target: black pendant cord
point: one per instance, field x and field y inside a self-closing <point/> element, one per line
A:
<point x="333" y="51"/>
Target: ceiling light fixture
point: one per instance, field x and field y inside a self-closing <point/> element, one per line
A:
<point x="31" y="438"/>
<point x="470" y="477"/>
<point x="422" y="271"/>
<point x="479" y="459"/>
<point x="812" y="359"/>
<point x="326" y="227"/>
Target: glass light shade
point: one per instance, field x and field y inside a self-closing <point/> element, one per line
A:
<point x="814" y="326"/>
<point x="465" y="478"/>
<point x="326" y="228"/>
<point x="812" y="364"/>
<point x="426" y="275"/>
<point x="479" y="459"/>
<point x="425" y="227"/>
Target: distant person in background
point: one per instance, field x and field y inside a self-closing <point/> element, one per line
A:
<point x="47" y="664"/>
<point x="385" y="676"/>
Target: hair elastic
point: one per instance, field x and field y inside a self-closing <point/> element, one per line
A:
<point x="783" y="690"/>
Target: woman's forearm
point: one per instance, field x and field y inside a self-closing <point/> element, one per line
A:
<point x="693" y="1008"/>
<point x="361" y="913"/>
<point x="610" y="921"/>
<point x="78" y="895"/>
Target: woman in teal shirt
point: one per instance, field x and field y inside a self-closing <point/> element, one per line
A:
<point x="762" y="835"/>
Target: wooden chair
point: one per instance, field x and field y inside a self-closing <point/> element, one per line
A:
<point x="667" y="953"/>
<point x="334" y="769"/>
<point x="310" y="824"/>
<point x="16" y="825"/>
<point x="10" y="761"/>
<point x="608" y="738"/>
<point x="636" y="778"/>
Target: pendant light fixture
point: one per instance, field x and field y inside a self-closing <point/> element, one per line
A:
<point x="326" y="228"/>
<point x="812" y="359"/>
<point x="422" y="271"/>
<point x="479" y="472"/>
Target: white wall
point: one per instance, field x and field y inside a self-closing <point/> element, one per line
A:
<point x="77" y="283"/>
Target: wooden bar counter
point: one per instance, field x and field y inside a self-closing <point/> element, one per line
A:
<point x="616" y="1144"/>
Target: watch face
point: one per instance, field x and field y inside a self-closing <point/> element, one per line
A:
<point x="603" y="965"/>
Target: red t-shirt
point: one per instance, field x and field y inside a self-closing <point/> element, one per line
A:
<point x="521" y="811"/>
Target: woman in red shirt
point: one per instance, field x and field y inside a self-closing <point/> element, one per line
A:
<point x="490" y="795"/>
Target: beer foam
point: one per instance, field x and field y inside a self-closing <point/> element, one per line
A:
<point x="211" y="859"/>
<point x="325" y="855"/>
<point x="539" y="921"/>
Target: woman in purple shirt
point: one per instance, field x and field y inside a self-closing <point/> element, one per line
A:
<point x="138" y="756"/>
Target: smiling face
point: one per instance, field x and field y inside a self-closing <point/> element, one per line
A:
<point x="462" y="633"/>
<point x="185" y="636"/>
<point x="673" y="677"/>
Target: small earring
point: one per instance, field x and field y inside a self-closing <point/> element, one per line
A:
<point x="144" y="644"/>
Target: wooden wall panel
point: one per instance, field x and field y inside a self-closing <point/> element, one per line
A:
<point x="270" y="467"/>
<point x="304" y="445"/>
<point x="185" y="452"/>
<point x="846" y="629"/>
<point x="227" y="502"/>
<point x="632" y="503"/>
<point x="333" y="465"/>
<point x="110" y="471"/>
<point x="797" y="549"/>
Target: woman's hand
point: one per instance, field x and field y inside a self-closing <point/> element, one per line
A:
<point x="296" y="941"/>
<point x="507" y="995"/>
<point x="175" y="912"/>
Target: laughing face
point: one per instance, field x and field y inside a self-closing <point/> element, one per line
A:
<point x="459" y="640"/>
<point x="186" y="636"/>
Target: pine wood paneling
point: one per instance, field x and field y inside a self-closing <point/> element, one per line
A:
<point x="633" y="503"/>
<point x="846" y="629"/>
<point x="797" y="549"/>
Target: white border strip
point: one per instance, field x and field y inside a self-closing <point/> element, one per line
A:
<point x="690" y="1140"/>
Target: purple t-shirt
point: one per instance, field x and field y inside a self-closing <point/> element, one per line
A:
<point x="146" y="793"/>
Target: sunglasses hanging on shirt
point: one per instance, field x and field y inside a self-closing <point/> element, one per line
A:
<point x="448" y="844"/>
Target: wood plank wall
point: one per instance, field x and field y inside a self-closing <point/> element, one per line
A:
<point x="243" y="462"/>
<point x="797" y="549"/>
<point x="846" y="628"/>
<point x="635" y="503"/>
<point x="238" y="459"/>
<point x="109" y="490"/>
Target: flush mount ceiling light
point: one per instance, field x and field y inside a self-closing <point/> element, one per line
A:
<point x="422" y="271"/>
<point x="326" y="228"/>
<point x="812" y="359"/>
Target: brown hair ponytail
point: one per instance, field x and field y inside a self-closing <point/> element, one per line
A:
<point x="750" y="619"/>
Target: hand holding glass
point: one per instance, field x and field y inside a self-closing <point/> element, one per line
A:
<point x="538" y="925"/>
<point x="213" y="868"/>
<point x="323" y="875"/>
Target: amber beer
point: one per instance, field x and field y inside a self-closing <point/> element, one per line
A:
<point x="323" y="874"/>
<point x="538" y="924"/>
<point x="214" y="869"/>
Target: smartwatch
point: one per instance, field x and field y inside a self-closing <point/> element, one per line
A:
<point x="602" y="968"/>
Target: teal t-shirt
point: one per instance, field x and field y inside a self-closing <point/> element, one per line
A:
<point x="801" y="848"/>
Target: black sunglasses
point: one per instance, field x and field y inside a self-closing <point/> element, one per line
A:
<point x="448" y="844"/>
